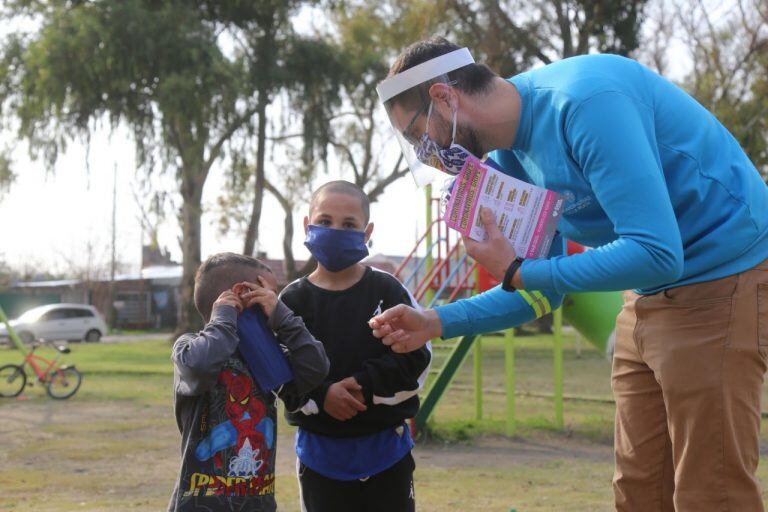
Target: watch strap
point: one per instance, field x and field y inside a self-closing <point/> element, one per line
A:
<point x="506" y="283"/>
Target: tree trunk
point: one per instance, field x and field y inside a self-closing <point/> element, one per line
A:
<point x="265" y="61"/>
<point x="191" y="210"/>
<point x="252" y="232"/>
<point x="289" y="261"/>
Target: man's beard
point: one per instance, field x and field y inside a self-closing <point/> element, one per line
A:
<point x="467" y="137"/>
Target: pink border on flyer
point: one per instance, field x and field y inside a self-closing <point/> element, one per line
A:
<point x="460" y="196"/>
<point x="479" y="168"/>
<point x="546" y="211"/>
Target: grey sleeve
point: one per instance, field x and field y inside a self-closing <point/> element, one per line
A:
<point x="198" y="358"/>
<point x="307" y="356"/>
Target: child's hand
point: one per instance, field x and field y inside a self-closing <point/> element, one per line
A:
<point x="261" y="295"/>
<point x="341" y="402"/>
<point x="229" y="298"/>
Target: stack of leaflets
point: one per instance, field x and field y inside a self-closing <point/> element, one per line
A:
<point x="527" y="215"/>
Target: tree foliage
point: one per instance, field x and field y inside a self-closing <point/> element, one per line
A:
<point x="156" y="67"/>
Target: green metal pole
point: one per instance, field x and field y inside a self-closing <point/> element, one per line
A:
<point x="558" y="367"/>
<point x="477" y="360"/>
<point x="509" y="367"/>
<point x="11" y="332"/>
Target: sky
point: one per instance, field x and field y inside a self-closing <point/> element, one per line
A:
<point x="49" y="219"/>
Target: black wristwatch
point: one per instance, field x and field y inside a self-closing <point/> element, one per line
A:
<point x="506" y="283"/>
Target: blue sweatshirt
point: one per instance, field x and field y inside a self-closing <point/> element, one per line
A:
<point x="651" y="179"/>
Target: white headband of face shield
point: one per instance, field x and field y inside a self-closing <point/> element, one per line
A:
<point x="420" y="73"/>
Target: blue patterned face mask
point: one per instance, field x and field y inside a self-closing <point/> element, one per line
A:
<point x="336" y="249"/>
<point x="450" y="160"/>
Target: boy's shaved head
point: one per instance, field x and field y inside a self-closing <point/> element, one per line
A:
<point x="221" y="272"/>
<point x="343" y="187"/>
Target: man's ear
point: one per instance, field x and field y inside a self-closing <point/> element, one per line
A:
<point x="306" y="225"/>
<point x="444" y="97"/>
<point x="368" y="231"/>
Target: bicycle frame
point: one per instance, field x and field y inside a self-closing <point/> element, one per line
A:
<point x="31" y="358"/>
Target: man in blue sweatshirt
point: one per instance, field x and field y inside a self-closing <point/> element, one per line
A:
<point x="675" y="211"/>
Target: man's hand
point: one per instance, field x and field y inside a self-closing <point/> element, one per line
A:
<point x="259" y="294"/>
<point x="405" y="329"/>
<point x="229" y="298"/>
<point x="344" y="399"/>
<point x="496" y="253"/>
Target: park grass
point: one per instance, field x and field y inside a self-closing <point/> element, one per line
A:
<point x="114" y="446"/>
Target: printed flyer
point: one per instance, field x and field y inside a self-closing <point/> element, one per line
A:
<point x="525" y="213"/>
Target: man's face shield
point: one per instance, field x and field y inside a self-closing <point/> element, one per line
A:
<point x="407" y="102"/>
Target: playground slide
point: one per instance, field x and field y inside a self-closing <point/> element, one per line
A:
<point x="593" y="315"/>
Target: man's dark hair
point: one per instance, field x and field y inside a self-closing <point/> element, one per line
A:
<point x="343" y="187"/>
<point x="471" y="79"/>
<point x="221" y="272"/>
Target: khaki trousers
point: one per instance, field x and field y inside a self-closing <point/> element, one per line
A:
<point x="687" y="376"/>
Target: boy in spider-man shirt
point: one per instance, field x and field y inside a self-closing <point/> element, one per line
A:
<point x="227" y="423"/>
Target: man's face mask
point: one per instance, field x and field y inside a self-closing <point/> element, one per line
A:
<point x="450" y="160"/>
<point x="336" y="249"/>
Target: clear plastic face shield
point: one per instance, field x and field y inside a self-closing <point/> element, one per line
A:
<point x="406" y="99"/>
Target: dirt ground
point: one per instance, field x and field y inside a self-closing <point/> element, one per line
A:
<point x="124" y="456"/>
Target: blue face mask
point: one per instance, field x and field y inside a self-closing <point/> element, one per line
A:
<point x="336" y="249"/>
<point x="261" y="351"/>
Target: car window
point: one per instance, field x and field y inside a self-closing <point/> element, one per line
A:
<point x="78" y="313"/>
<point x="54" y="314"/>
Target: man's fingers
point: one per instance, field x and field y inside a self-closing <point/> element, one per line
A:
<point x="399" y="341"/>
<point x="469" y="244"/>
<point x="400" y="348"/>
<point x="389" y="315"/>
<point x="383" y="331"/>
<point x="396" y="338"/>
<point x="489" y="222"/>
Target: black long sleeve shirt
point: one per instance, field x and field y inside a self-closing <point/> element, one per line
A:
<point x="339" y="320"/>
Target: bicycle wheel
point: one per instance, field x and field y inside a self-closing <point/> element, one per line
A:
<point x="64" y="382"/>
<point x="12" y="380"/>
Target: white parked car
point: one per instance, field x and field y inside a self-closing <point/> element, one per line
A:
<point x="58" y="322"/>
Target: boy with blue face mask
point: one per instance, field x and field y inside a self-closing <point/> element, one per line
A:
<point x="353" y="446"/>
<point x="227" y="419"/>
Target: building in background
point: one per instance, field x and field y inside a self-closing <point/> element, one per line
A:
<point x="147" y="299"/>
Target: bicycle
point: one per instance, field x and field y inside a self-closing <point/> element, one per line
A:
<point x="61" y="381"/>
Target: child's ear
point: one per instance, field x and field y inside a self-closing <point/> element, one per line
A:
<point x="306" y="225"/>
<point x="368" y="231"/>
